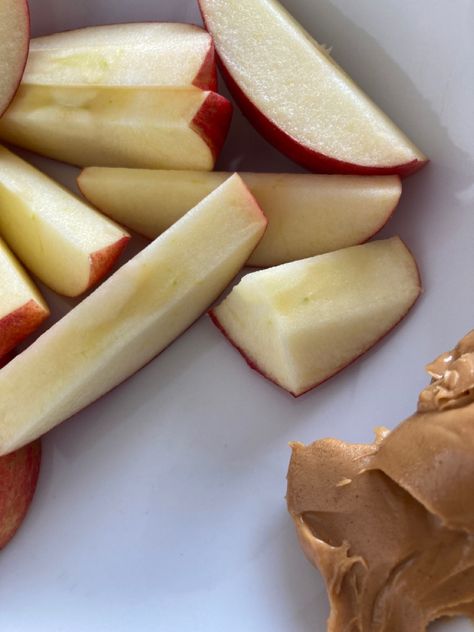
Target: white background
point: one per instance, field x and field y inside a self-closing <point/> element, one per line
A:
<point x="161" y="507"/>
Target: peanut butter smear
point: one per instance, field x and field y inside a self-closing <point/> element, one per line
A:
<point x="390" y="525"/>
<point x="453" y="378"/>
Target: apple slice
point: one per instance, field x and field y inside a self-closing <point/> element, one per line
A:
<point x="307" y="214"/>
<point x="174" y="128"/>
<point x="22" y="308"/>
<point x="149" y="54"/>
<point x="131" y="317"/>
<point x="64" y="242"/>
<point x="14" y="39"/>
<point x="298" y="97"/>
<point x="19" y="473"/>
<point x="300" y="323"/>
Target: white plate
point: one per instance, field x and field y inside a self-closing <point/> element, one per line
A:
<point x="161" y="507"/>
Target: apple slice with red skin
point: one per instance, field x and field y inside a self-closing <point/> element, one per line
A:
<point x="114" y="126"/>
<point x="140" y="54"/>
<point x="19" y="473"/>
<point x="131" y="317"/>
<point x="298" y="97"/>
<point x="66" y="243"/>
<point x="302" y="322"/>
<point x="308" y="214"/>
<point x="14" y="40"/>
<point x="22" y="308"/>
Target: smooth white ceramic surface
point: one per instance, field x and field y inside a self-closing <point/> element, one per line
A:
<point x="161" y="507"/>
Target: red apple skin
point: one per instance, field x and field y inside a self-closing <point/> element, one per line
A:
<point x="382" y="224"/>
<point x="206" y="78"/>
<point x="212" y="121"/>
<point x="253" y="365"/>
<point x="19" y="473"/>
<point x="7" y="99"/>
<point x="5" y="359"/>
<point x="291" y="147"/>
<point x="18" y="325"/>
<point x="103" y="260"/>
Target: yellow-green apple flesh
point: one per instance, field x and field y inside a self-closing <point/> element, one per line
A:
<point x="115" y="126"/>
<point x="298" y="97"/>
<point x="300" y="323"/>
<point x="66" y="243"/>
<point x="131" y="317"/>
<point x="22" y="308"/>
<point x="14" y="40"/>
<point x="308" y="214"/>
<point x="147" y="54"/>
<point x="19" y="473"/>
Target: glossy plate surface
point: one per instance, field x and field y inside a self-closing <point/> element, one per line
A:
<point x="161" y="507"/>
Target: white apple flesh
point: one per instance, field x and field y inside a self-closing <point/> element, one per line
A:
<point x="307" y="214"/>
<point x="152" y="54"/>
<point x="300" y="323"/>
<point x="14" y="39"/>
<point x="67" y="244"/>
<point x="171" y="128"/>
<point x="22" y="308"/>
<point x="131" y="317"/>
<point x="298" y="97"/>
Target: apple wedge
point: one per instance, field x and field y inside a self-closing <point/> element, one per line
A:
<point x="171" y="128"/>
<point x="298" y="97"/>
<point x="67" y="244"/>
<point x="131" y="317"/>
<point x="300" y="323"/>
<point x="22" y="308"/>
<point x="148" y="54"/>
<point x="19" y="473"/>
<point x="14" y="39"/>
<point x="307" y="214"/>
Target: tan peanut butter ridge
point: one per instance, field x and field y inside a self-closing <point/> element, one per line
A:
<point x="391" y="525"/>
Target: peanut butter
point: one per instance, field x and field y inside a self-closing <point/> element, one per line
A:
<point x="390" y="525"/>
<point x="453" y="378"/>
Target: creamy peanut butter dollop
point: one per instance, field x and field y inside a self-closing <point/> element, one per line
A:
<point x="391" y="525"/>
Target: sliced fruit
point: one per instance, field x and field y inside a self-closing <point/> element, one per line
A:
<point x="19" y="473"/>
<point x="300" y="323"/>
<point x="64" y="242"/>
<point x="131" y="317"/>
<point x="298" y="97"/>
<point x="22" y="308"/>
<point x="173" y="128"/>
<point x="148" y="54"/>
<point x="14" y="40"/>
<point x="307" y="214"/>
